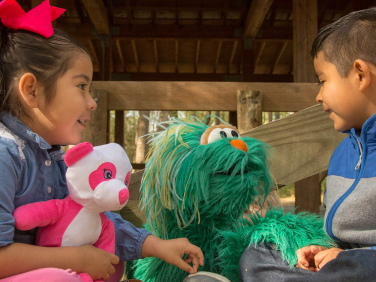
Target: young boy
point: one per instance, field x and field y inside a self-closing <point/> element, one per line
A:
<point x="344" y="55"/>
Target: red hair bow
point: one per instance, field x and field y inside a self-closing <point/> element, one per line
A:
<point x="37" y="20"/>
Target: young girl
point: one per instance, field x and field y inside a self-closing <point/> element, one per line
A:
<point x="45" y="102"/>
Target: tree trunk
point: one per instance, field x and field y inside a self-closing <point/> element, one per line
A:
<point x="141" y="145"/>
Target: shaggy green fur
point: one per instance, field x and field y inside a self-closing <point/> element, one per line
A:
<point x="201" y="192"/>
<point x="288" y="233"/>
<point x="187" y="193"/>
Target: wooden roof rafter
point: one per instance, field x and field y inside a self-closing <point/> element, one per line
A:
<point x="94" y="52"/>
<point x="197" y="54"/>
<point x="98" y="16"/>
<point x="134" y="48"/>
<point x="278" y="57"/>
<point x="129" y="12"/>
<point x="176" y="56"/>
<point x="259" y="53"/>
<point x="255" y="17"/>
<point x="118" y="46"/>
<point x="155" y="47"/>
<point x="217" y="56"/>
<point x="234" y="46"/>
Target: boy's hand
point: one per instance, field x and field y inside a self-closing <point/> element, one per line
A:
<point x="306" y="257"/>
<point x="325" y="256"/>
<point x="96" y="262"/>
<point x="172" y="252"/>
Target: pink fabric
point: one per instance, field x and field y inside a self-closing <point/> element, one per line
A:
<point x="104" y="172"/>
<point x="53" y="217"/>
<point x="60" y="275"/>
<point x="78" y="152"/>
<point x="127" y="179"/>
<point x="37" y="20"/>
<point x="45" y="275"/>
<point x="123" y="196"/>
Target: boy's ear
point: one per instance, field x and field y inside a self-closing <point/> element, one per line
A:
<point x="363" y="74"/>
<point x="28" y="89"/>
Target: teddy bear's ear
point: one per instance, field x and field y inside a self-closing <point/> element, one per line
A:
<point x="77" y="153"/>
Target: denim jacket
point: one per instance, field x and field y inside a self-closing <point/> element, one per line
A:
<point x="31" y="170"/>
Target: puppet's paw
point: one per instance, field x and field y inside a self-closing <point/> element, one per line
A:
<point x="203" y="276"/>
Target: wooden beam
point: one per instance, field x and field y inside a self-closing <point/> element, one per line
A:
<point x="176" y="56"/>
<point x="235" y="44"/>
<point x="305" y="31"/>
<point x="278" y="57"/>
<point x="129" y="12"/>
<point x="119" y="128"/>
<point x="107" y="60"/>
<point x="135" y="54"/>
<point x="213" y="96"/>
<point x="94" y="52"/>
<point x="311" y="142"/>
<point x="156" y="55"/>
<point x="217" y="57"/>
<point x="98" y="15"/>
<point x="120" y="54"/>
<point x="210" y="77"/>
<point x="197" y="54"/>
<point x="77" y="5"/>
<point x="249" y="109"/>
<point x="171" y="32"/>
<point x="96" y="130"/>
<point x="255" y="17"/>
<point x="259" y="53"/>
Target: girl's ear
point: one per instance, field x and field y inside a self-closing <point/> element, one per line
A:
<point x="28" y="89"/>
<point x="363" y="74"/>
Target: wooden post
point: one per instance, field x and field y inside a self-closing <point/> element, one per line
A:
<point x="96" y="129"/>
<point x="249" y="109"/>
<point x="307" y="191"/>
<point x="119" y="128"/>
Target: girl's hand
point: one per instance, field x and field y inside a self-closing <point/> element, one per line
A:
<point x="96" y="262"/>
<point x="306" y="257"/>
<point x="325" y="256"/>
<point x="172" y="252"/>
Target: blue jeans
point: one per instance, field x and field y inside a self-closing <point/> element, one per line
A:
<point x="262" y="263"/>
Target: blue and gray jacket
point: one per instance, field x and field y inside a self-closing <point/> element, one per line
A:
<point x="350" y="194"/>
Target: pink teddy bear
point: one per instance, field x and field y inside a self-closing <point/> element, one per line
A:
<point x="97" y="179"/>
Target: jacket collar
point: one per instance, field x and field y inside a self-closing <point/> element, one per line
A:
<point x="23" y="131"/>
<point x="368" y="133"/>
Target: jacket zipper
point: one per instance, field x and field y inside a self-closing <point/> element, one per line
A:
<point x="333" y="210"/>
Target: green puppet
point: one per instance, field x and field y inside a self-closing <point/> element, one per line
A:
<point x="198" y="183"/>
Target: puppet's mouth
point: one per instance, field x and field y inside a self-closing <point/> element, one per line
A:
<point x="239" y="172"/>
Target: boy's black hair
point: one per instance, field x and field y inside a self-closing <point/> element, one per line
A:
<point x="23" y="51"/>
<point x="350" y="38"/>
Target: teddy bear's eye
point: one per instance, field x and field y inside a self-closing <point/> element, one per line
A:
<point x="107" y="174"/>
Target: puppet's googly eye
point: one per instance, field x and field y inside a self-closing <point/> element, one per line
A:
<point x="231" y="133"/>
<point x="234" y="134"/>
<point x="107" y="174"/>
<point x="221" y="133"/>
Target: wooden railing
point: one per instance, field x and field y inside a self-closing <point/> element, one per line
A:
<point x="302" y="143"/>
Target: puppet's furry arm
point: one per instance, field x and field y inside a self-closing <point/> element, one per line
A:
<point x="39" y="214"/>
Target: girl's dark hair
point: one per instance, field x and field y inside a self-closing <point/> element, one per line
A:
<point x="350" y="38"/>
<point x="48" y="59"/>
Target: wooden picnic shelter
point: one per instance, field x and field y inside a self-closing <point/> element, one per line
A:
<point x="241" y="56"/>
